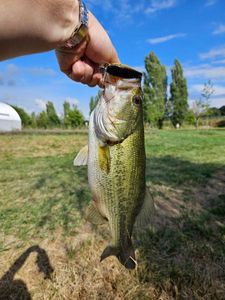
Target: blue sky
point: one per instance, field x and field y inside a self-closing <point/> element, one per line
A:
<point x="191" y="31"/>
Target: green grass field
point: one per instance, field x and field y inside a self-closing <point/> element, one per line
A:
<point x="47" y="251"/>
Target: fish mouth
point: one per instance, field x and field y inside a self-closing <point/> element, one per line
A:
<point x="112" y="123"/>
<point x="121" y="71"/>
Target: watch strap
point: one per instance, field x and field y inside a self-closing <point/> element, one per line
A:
<point x="81" y="30"/>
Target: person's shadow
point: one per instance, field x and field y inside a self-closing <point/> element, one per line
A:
<point x="11" y="289"/>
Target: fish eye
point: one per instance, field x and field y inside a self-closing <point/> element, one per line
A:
<point x="137" y="100"/>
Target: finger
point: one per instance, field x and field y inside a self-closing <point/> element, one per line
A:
<point x="67" y="57"/>
<point x="82" y="72"/>
<point x="96" y="80"/>
<point x="97" y="75"/>
<point x="93" y="82"/>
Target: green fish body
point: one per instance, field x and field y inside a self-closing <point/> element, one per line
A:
<point x="116" y="168"/>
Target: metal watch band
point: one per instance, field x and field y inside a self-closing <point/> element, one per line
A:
<point x="80" y="32"/>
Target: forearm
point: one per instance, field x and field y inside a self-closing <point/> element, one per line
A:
<point x="30" y="26"/>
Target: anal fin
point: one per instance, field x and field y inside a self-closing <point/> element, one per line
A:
<point x="94" y="216"/>
<point x="145" y="215"/>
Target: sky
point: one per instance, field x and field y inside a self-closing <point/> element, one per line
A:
<point x="192" y="31"/>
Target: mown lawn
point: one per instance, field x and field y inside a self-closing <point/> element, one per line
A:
<point x="47" y="251"/>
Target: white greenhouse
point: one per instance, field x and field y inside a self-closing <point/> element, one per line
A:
<point x="9" y="118"/>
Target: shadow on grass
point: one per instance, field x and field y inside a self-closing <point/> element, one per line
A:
<point x="184" y="254"/>
<point x="66" y="198"/>
<point x="15" y="289"/>
<point x="173" y="171"/>
<point x="51" y="194"/>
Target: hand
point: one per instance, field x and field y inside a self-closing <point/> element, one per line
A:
<point x="81" y="63"/>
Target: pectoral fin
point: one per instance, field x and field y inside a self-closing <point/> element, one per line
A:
<point x="82" y="157"/>
<point x="144" y="217"/>
<point x="104" y="158"/>
<point x="94" y="216"/>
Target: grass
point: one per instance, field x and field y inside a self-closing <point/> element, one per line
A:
<point x="47" y="251"/>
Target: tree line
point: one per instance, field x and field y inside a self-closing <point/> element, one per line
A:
<point x="161" y="102"/>
<point x="158" y="106"/>
<point x="48" y="118"/>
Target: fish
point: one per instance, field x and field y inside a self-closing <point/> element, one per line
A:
<point x="115" y="156"/>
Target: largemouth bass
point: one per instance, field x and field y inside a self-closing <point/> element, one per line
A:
<point x="115" y="156"/>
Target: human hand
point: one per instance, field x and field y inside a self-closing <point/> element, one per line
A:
<point x="81" y="63"/>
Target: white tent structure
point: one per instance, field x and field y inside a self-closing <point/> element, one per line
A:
<point x="9" y="118"/>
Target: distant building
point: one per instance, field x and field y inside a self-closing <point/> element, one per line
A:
<point x="9" y="118"/>
<point x="86" y="123"/>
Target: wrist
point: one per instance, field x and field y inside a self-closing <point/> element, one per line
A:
<point x="64" y="17"/>
<point x="80" y="32"/>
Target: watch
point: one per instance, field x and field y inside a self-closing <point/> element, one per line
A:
<point x="81" y="30"/>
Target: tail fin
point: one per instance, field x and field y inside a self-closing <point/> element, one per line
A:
<point x="125" y="255"/>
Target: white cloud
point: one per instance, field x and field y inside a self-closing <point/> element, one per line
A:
<point x="219" y="90"/>
<point x="41" y="103"/>
<point x="205" y="71"/>
<point x="218" y="102"/>
<point x="40" y="71"/>
<point x="1" y="80"/>
<point x="217" y="99"/>
<point x="210" y="2"/>
<point x="160" y="5"/>
<point x="9" y="75"/>
<point x="123" y="11"/>
<point x="12" y="70"/>
<point x="140" y="68"/>
<point x="166" y="38"/>
<point x="12" y="74"/>
<point x="72" y="101"/>
<point x="213" y="53"/>
<point x="106" y="6"/>
<point x="220" y="29"/>
<point x="219" y="62"/>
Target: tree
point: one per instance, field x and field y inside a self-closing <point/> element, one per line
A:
<point x="179" y="95"/>
<point x="207" y="92"/>
<point x="42" y="120"/>
<point x="72" y="116"/>
<point x="190" y="117"/>
<point x="200" y="107"/>
<point x="25" y="118"/>
<point x="214" y="112"/>
<point x="222" y="110"/>
<point x="93" y="102"/>
<point x="75" y="117"/>
<point x="155" y="91"/>
<point x="53" y="119"/>
<point x="66" y="110"/>
<point x="33" y="120"/>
